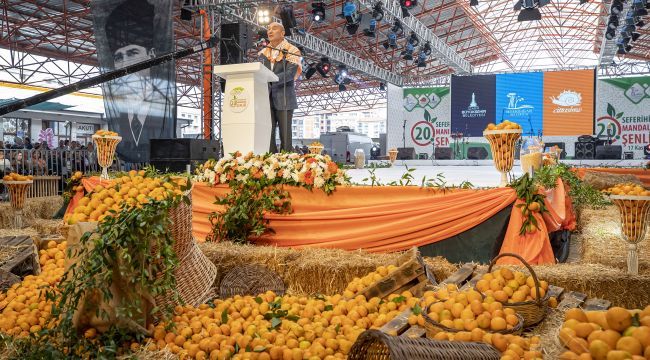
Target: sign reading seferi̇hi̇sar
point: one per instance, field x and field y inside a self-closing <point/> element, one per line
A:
<point x="623" y="112"/>
<point x="427" y="118"/>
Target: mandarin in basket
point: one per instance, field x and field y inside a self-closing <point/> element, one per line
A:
<point x="507" y="286"/>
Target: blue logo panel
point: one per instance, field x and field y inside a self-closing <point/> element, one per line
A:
<point x="520" y="98"/>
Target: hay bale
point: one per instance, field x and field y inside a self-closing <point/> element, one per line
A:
<point x="602" y="243"/>
<point x="307" y="271"/>
<point x="35" y="210"/>
<point x="601" y="180"/>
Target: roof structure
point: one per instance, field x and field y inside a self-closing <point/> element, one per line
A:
<point x="51" y="42"/>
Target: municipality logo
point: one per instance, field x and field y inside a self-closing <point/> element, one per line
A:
<point x="516" y="107"/>
<point x="568" y="102"/>
<point x="473" y="110"/>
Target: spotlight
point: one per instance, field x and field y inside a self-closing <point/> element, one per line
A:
<point x="186" y="14"/>
<point x="311" y="70"/>
<point x="262" y="38"/>
<point x="422" y="59"/>
<point x="584" y="1"/>
<point x="323" y="67"/>
<point x="408" y="53"/>
<point x="640" y="24"/>
<point x="382" y="86"/>
<point x="391" y="42"/>
<point x="427" y="48"/>
<point x="610" y="34"/>
<point x="378" y="12"/>
<point x="372" y="26"/>
<point x="413" y="39"/>
<point x="350" y="12"/>
<point x="530" y="9"/>
<point x="397" y="27"/>
<point x="288" y="18"/>
<point x="613" y="22"/>
<point x="318" y="11"/>
<point x="635" y="36"/>
<point x="473" y="2"/>
<point x="263" y="16"/>
<point x="409" y="4"/>
<point x="617" y="7"/>
<point x="341" y="77"/>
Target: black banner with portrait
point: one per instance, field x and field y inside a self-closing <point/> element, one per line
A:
<point x="139" y="106"/>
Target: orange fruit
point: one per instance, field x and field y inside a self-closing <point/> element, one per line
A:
<point x="618" y="318"/>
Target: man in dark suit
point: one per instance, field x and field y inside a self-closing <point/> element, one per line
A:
<point x="285" y="62"/>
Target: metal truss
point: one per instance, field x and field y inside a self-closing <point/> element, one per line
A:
<point x="625" y="68"/>
<point x="442" y="51"/>
<point x="352" y="100"/>
<point x="317" y="45"/>
<point x="608" y="47"/>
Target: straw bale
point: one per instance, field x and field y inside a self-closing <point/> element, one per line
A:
<point x="602" y="243"/>
<point x="602" y="180"/>
<point x="308" y="271"/>
<point x="35" y="210"/>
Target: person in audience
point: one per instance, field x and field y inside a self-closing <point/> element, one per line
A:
<point x="28" y="144"/>
<point x="20" y="164"/>
<point x="5" y="164"/>
<point x="39" y="165"/>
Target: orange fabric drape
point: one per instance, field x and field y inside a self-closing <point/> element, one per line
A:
<point x="89" y="184"/>
<point x="554" y="203"/>
<point x="642" y="174"/>
<point x="377" y="219"/>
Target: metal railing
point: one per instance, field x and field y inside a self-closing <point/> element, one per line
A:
<point x="51" y="164"/>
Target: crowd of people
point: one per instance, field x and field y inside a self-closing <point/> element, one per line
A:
<point x="27" y="158"/>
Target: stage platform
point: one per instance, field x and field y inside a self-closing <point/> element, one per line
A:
<point x="480" y="173"/>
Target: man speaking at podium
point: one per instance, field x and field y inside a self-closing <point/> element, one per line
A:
<point x="284" y="60"/>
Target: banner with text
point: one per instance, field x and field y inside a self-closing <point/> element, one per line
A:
<point x="569" y="102"/>
<point x="519" y="98"/>
<point x="427" y="123"/>
<point x="623" y="112"/>
<point x="472" y="103"/>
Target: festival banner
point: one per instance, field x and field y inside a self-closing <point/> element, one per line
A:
<point x="427" y="123"/>
<point x="569" y="102"/>
<point x="472" y="103"/>
<point x="519" y="98"/>
<point x="139" y="106"/>
<point x="623" y="112"/>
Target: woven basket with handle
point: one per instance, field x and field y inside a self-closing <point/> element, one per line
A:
<point x="532" y="311"/>
<point x="377" y="345"/>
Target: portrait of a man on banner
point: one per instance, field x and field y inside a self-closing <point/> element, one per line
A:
<point x="139" y="106"/>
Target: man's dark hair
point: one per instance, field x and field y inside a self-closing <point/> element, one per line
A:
<point x="131" y="23"/>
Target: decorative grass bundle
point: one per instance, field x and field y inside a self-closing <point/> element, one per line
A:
<point x="308" y="271"/>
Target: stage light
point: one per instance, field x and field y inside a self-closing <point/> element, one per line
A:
<point x="318" y="11"/>
<point x="473" y="2"/>
<point x="613" y="22"/>
<point x="640" y="24"/>
<point x="610" y="34"/>
<point x="617" y="7"/>
<point x="186" y="14"/>
<point x="311" y="70"/>
<point x="413" y="39"/>
<point x="372" y="26"/>
<point x="422" y="59"/>
<point x="397" y="27"/>
<point x="427" y="48"/>
<point x="288" y="18"/>
<point x="323" y="67"/>
<point x="635" y="36"/>
<point x="263" y="16"/>
<point x="262" y="38"/>
<point x="378" y="12"/>
<point x="382" y="86"/>
<point x="408" y="53"/>
<point x="530" y="9"/>
<point x="584" y="1"/>
<point x="391" y="41"/>
<point x="350" y="12"/>
<point x="341" y="77"/>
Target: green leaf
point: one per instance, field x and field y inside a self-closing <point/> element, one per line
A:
<point x="619" y="115"/>
<point x="337" y="328"/>
<point x="275" y="322"/>
<point x="224" y="316"/>
<point x="427" y="115"/>
<point x="293" y="318"/>
<point x="610" y="110"/>
<point x="635" y="320"/>
<point x="329" y="308"/>
<point x="258" y="300"/>
<point x="237" y="348"/>
<point x="259" y="348"/>
<point x="417" y="309"/>
<point x="399" y="299"/>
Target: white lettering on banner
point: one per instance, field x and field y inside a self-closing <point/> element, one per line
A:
<point x="85" y="128"/>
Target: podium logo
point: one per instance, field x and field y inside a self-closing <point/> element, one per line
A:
<point x="568" y="102"/>
<point x="238" y="99"/>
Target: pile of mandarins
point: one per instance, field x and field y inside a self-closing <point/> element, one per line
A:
<point x="505" y="125"/>
<point x="104" y="133"/>
<point x="507" y="286"/>
<point x="629" y="189"/>
<point x="359" y="284"/>
<point x="23" y="307"/>
<point x="614" y="334"/>
<point x="17" y="177"/>
<point x="134" y="189"/>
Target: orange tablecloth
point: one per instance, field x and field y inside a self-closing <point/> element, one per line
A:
<point x="383" y="219"/>
<point x="642" y="174"/>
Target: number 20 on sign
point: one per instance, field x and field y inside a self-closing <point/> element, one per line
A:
<point x="423" y="133"/>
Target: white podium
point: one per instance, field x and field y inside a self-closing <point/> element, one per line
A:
<point x="246" y="116"/>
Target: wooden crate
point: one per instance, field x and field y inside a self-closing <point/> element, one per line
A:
<point x="24" y="261"/>
<point x="411" y="275"/>
<point x="44" y="186"/>
<point x="466" y="277"/>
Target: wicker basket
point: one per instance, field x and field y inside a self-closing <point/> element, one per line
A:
<point x="181" y="228"/>
<point x="17" y="194"/>
<point x="250" y="280"/>
<point x="532" y="311"/>
<point x="195" y="276"/>
<point x="374" y="344"/>
<point x="434" y="327"/>
<point x="105" y="146"/>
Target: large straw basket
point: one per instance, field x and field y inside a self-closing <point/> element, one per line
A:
<point x="502" y="144"/>
<point x="634" y="215"/>
<point x="250" y="280"/>
<point x="374" y="344"/>
<point x="433" y="327"/>
<point x="181" y="227"/>
<point x="106" y="146"/>
<point x="18" y="194"/>
<point x="532" y="311"/>
<point x="195" y="276"/>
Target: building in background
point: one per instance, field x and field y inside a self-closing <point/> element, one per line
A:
<point x="368" y="122"/>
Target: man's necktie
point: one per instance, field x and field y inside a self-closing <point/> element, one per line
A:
<point x="136" y="127"/>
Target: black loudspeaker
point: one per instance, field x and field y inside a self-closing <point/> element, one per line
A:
<point x="443" y="153"/>
<point x="628" y="155"/>
<point x="609" y="152"/>
<point x="406" y="153"/>
<point x="175" y="154"/>
<point x="477" y="153"/>
<point x="235" y="41"/>
<point x="586" y="138"/>
<point x="584" y="150"/>
<point x="561" y="145"/>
